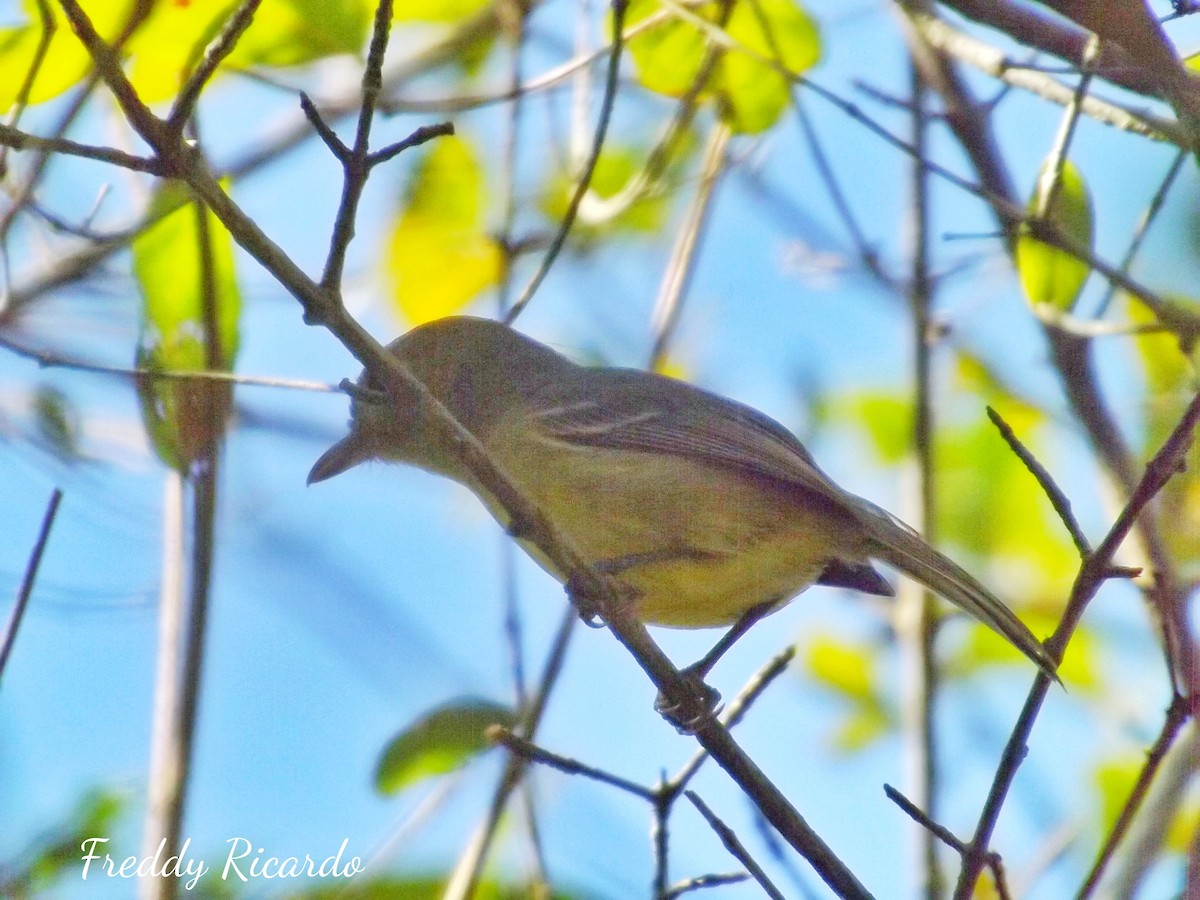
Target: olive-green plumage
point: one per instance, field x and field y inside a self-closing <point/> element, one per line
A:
<point x="705" y="506"/>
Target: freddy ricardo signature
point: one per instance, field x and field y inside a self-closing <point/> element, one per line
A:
<point x="243" y="861"/>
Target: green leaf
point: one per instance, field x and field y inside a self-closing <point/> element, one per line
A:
<point x="439" y="258"/>
<point x="57" y="854"/>
<point x="616" y="170"/>
<point x="294" y="32"/>
<point x="184" y="269"/>
<point x="667" y="56"/>
<point x="776" y="30"/>
<point x="439" y="742"/>
<point x="864" y="725"/>
<point x="57" y="422"/>
<point x="1052" y="278"/>
<point x="888" y="419"/>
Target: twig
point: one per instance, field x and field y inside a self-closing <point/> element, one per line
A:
<point x="735" y="710"/>
<point x="916" y="608"/>
<point x="420" y="136"/>
<point x="50" y="360"/>
<point x="20" y="140"/>
<point x="235" y="27"/>
<point x="1177" y="714"/>
<point x="669" y="305"/>
<point x="27" y="581"/>
<point x="947" y="837"/>
<point x="703" y="881"/>
<point x="1143" y="226"/>
<point x="730" y="839"/>
<point x="1092" y="574"/>
<point x="1053" y="492"/>
<point x="619" y="8"/>
<point x="355" y="162"/>
<point x="531" y="752"/>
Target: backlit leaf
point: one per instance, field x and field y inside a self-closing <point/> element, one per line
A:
<point x="66" y="60"/>
<point x="615" y="170"/>
<point x="439" y="257"/>
<point x="848" y="669"/>
<point x="776" y="30"/>
<point x="670" y="56"/>
<point x="1052" y="278"/>
<point x="184" y="269"/>
<point x="439" y="742"/>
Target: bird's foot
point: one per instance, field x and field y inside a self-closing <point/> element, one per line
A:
<point x="699" y="704"/>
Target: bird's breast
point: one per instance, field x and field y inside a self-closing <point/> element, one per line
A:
<point x="700" y="543"/>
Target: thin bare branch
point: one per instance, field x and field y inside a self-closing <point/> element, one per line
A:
<point x="50" y="359"/>
<point x="1177" y="714"/>
<point x="531" y="752"/>
<point x="217" y="52"/>
<point x="730" y="839"/>
<point x="1092" y="574"/>
<point x="27" y="580"/>
<point x="20" y="140"/>
<point x="1050" y="488"/>
<point x="619" y="8"/>
<point x="355" y="163"/>
<point x="947" y="837"/>
<point x="669" y="305"/>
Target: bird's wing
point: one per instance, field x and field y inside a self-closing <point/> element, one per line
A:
<point x="632" y="410"/>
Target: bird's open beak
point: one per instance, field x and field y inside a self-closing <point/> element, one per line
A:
<point x="345" y="454"/>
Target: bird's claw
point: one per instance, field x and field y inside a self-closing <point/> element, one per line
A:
<point x="699" y="705"/>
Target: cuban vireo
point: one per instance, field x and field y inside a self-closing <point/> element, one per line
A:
<point x="707" y="508"/>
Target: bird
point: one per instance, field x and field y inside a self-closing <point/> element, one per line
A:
<point x="712" y="513"/>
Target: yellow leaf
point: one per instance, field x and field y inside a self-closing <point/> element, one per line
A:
<point x="65" y="62"/>
<point x="439" y="258"/>
<point x="848" y="669"/>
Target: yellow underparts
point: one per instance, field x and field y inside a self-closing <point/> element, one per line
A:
<point x="699" y="543"/>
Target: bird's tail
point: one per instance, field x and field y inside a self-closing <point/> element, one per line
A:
<point x="900" y="546"/>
